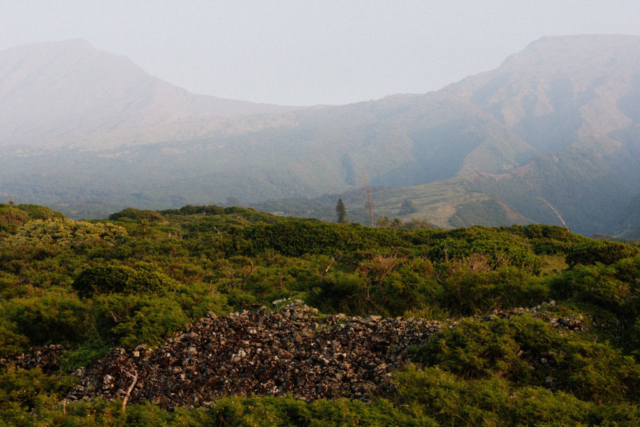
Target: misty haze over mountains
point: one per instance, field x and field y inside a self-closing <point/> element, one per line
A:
<point x="89" y="133"/>
<point x="61" y="93"/>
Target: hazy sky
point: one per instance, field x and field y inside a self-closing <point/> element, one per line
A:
<point x="306" y="52"/>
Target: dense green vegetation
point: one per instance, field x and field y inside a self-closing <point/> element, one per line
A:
<point x="141" y="275"/>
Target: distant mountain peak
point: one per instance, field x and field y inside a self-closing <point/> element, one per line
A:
<point x="576" y="47"/>
<point x="64" y="91"/>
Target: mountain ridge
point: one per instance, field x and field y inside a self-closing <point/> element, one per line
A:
<point x="558" y="121"/>
<point x="68" y="90"/>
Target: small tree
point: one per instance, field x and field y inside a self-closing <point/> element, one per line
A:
<point x="396" y="223"/>
<point x="417" y="223"/>
<point x="407" y="208"/>
<point x="341" y="211"/>
<point x="383" y="222"/>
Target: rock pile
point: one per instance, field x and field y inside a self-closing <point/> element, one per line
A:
<point x="572" y="324"/>
<point x="261" y="353"/>
<point x="266" y="353"/>
<point x="46" y="358"/>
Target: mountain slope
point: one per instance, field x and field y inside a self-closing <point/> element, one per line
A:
<point x="559" y="121"/>
<point x="629" y="223"/>
<point x="64" y="91"/>
<point x="445" y="204"/>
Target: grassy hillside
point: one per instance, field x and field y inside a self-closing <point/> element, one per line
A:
<point x="541" y="324"/>
<point x="445" y="204"/>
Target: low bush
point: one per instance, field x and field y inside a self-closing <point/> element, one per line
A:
<point x="53" y="318"/>
<point x="137" y="215"/>
<point x="131" y="320"/>
<point x="603" y="252"/>
<point x="529" y="352"/>
<point x="142" y="279"/>
<point x="613" y="287"/>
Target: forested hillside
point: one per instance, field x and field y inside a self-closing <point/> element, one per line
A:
<point x="206" y="315"/>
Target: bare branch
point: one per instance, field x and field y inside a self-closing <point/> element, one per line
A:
<point x="115" y="318"/>
<point x="329" y="266"/>
<point x="326" y="270"/>
<point x="133" y="384"/>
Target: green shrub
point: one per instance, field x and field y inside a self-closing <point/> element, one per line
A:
<point x="11" y="218"/>
<point x="529" y="352"/>
<point x="296" y="238"/>
<point x="391" y="285"/>
<point x="613" y="287"/>
<point x="239" y="299"/>
<point x="503" y="372"/>
<point x="41" y="212"/>
<point x="83" y="355"/>
<point x="541" y="231"/>
<point x="11" y="342"/>
<point x="467" y="289"/>
<point x="53" y="318"/>
<point x="341" y="292"/>
<point x="136" y="214"/>
<point x="604" y="252"/>
<point x="133" y="320"/>
<point x="195" y="210"/>
<point x="199" y="298"/>
<point x="65" y="233"/>
<point x="282" y="411"/>
<point x="143" y="278"/>
<point x="495" y="402"/>
<point x="24" y="389"/>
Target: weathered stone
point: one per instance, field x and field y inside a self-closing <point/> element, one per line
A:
<point x="266" y="353"/>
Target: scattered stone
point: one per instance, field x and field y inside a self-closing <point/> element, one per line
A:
<point x="266" y="353"/>
<point x="46" y="358"/>
<point x="261" y="353"/>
